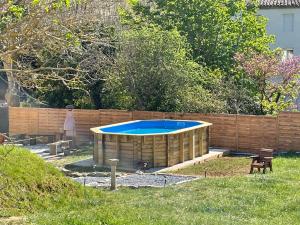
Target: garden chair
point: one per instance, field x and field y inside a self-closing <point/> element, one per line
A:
<point x="263" y="160"/>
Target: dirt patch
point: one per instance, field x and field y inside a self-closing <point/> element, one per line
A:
<point x="14" y="220"/>
<point x="225" y="166"/>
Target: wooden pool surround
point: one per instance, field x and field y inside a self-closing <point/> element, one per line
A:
<point x="156" y="150"/>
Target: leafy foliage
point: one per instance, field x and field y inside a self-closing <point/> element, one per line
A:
<point x="215" y="29"/>
<point x="81" y="74"/>
<point x="154" y="72"/>
<point x="173" y="56"/>
<point x="53" y="51"/>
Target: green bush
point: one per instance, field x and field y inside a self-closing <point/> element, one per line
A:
<point x="154" y="72"/>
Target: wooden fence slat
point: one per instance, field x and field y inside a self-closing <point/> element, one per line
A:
<point x="237" y="132"/>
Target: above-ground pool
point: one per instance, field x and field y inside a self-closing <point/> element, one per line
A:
<point x="155" y="143"/>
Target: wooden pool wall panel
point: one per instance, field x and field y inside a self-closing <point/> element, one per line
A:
<point x="157" y="150"/>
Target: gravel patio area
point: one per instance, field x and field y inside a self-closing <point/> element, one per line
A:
<point x="137" y="180"/>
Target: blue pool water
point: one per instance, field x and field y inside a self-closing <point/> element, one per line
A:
<point x="150" y="127"/>
<point x="148" y="131"/>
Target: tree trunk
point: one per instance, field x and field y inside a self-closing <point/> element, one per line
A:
<point x="11" y="95"/>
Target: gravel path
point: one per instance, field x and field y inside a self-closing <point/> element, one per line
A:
<point x="137" y="180"/>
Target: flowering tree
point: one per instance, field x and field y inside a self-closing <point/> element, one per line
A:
<point x="276" y="79"/>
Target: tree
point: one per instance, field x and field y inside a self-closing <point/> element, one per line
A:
<point x="23" y="23"/>
<point x="44" y="43"/>
<point x="276" y="80"/>
<point x="80" y="76"/>
<point x="215" y="29"/>
<point x="241" y="95"/>
<point x="153" y="71"/>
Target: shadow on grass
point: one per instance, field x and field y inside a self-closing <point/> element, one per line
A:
<point x="84" y="150"/>
<point x="287" y="155"/>
<point x="85" y="169"/>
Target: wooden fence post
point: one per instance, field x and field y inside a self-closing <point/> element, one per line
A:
<point x="181" y="147"/>
<point x="191" y="145"/>
<point x="277" y="132"/>
<point x="236" y="133"/>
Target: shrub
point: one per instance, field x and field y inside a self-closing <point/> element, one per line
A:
<point x="153" y="72"/>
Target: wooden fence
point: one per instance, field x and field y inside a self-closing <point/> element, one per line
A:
<point x="241" y="133"/>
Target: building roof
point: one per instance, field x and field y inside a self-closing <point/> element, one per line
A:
<point x="279" y="3"/>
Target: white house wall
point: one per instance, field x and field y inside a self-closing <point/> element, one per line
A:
<point x="284" y="39"/>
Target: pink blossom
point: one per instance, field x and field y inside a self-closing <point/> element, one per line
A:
<point x="290" y="67"/>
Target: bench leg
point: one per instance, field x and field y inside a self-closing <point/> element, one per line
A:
<point x="271" y="167"/>
<point x="264" y="170"/>
<point x="251" y="170"/>
<point x="53" y="150"/>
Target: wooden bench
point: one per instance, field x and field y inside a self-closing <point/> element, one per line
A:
<point x="64" y="145"/>
<point x="263" y="160"/>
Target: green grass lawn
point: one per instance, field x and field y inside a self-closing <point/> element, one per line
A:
<point x="273" y="198"/>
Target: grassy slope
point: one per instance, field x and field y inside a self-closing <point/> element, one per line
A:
<point x="273" y="198"/>
<point x="28" y="183"/>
